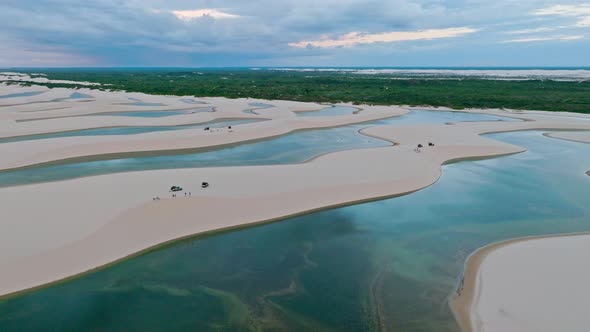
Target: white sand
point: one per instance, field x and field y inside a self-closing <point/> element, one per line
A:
<point x="534" y="285"/>
<point x="574" y="136"/>
<point x="54" y="230"/>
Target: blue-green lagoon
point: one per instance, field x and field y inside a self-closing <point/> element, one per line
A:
<point x="22" y="94"/>
<point x="73" y="96"/>
<point x="157" y="113"/>
<point x="295" y="147"/>
<point x="383" y="265"/>
<point x="127" y="130"/>
<point x="256" y="106"/>
<point x="330" y="111"/>
<point x="291" y="148"/>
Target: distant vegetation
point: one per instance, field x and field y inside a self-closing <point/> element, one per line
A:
<point x="342" y="87"/>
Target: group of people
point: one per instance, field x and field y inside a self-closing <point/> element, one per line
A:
<point x="189" y="194"/>
<point x="174" y="195"/>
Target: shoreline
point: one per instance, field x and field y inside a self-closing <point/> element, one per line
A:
<point x="578" y="136"/>
<point x="313" y="204"/>
<point x="206" y="149"/>
<point x="172" y="152"/>
<point x="218" y="231"/>
<point x="216" y="120"/>
<point x="152" y="143"/>
<point x="463" y="297"/>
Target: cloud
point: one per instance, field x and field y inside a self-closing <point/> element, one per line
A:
<point x="585" y="22"/>
<point x="259" y="32"/>
<point x="188" y="15"/>
<point x="527" y="31"/>
<point x="549" y="38"/>
<point x="582" y="12"/>
<point x="564" y="10"/>
<point x="356" y="38"/>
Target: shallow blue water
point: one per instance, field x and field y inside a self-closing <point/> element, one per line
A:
<point x="257" y="106"/>
<point x="433" y="117"/>
<point x="126" y="130"/>
<point x="387" y="265"/>
<point x="330" y="111"/>
<point x="142" y="103"/>
<point x="156" y="113"/>
<point x="261" y="105"/>
<point x="192" y="101"/>
<point x="75" y="95"/>
<point x="291" y="148"/>
<point x="22" y="94"/>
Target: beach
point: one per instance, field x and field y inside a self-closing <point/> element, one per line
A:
<point x="94" y="221"/>
<point x="574" y="136"/>
<point x="524" y="284"/>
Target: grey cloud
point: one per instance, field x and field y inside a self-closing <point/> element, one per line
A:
<point x="113" y="32"/>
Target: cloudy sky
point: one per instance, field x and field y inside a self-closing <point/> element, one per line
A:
<point x="203" y="33"/>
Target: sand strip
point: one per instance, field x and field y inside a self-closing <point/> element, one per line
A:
<point x="514" y="303"/>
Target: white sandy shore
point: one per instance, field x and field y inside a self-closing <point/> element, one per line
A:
<point x="81" y="224"/>
<point x="529" y="285"/>
<point x="574" y="136"/>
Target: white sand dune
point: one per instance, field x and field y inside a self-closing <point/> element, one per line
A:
<point x="574" y="136"/>
<point x="531" y="285"/>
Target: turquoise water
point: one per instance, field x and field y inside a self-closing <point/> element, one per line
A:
<point x="291" y="148"/>
<point x="22" y="94"/>
<point x="126" y="130"/>
<point x="157" y="114"/>
<point x="192" y="101"/>
<point x="75" y="95"/>
<point x="433" y="117"/>
<point x="384" y="265"/>
<point x="142" y="103"/>
<point x="261" y="105"/>
<point x="330" y="111"/>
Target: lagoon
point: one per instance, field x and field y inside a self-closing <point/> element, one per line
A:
<point x="22" y="94"/>
<point x="156" y="113"/>
<point x="295" y="147"/>
<point x="129" y="130"/>
<point x="330" y="111"/>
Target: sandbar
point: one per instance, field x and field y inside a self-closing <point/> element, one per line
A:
<point x="528" y="284"/>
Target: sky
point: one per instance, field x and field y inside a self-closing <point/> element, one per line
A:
<point x="303" y="33"/>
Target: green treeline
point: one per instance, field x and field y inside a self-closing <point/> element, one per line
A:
<point x="332" y="87"/>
